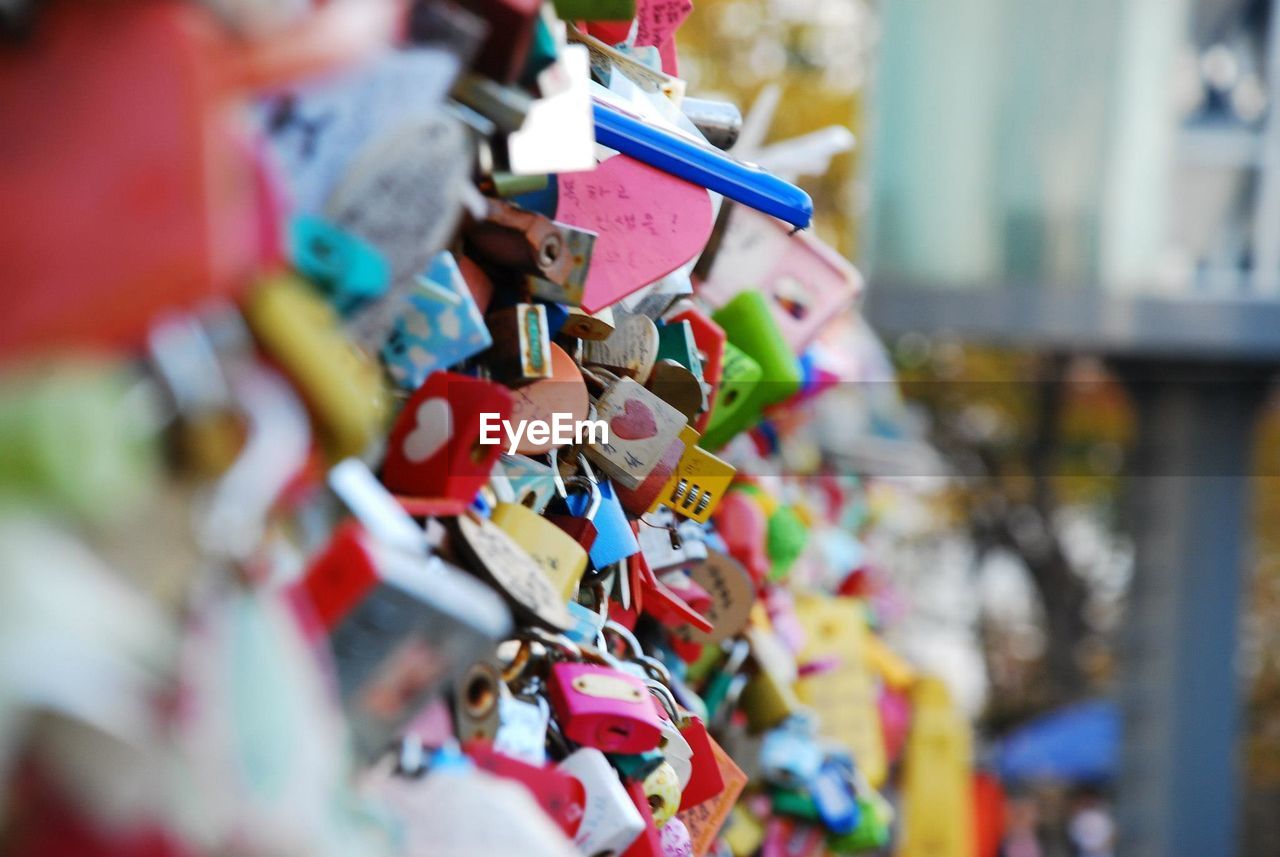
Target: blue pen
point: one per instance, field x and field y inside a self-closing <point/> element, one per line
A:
<point x="684" y="157"/>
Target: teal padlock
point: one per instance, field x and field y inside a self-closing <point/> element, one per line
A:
<point x="348" y="269"/>
<point x="676" y="342"/>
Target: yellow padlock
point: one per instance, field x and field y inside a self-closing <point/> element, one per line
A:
<point x="769" y="697"/>
<point x="560" y="557"/>
<point x="341" y="384"/>
<point x="744" y="832"/>
<point x="699" y="481"/>
<point x="662" y="788"/>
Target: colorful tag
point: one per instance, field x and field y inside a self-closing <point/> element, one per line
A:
<point x="705" y="820"/>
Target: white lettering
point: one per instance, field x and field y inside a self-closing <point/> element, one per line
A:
<point x="538" y="431"/>
<point x="490" y="422"/>
<point x="587" y="432"/>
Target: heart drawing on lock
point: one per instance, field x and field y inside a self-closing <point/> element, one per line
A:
<point x="636" y="422"/>
<point x="431" y="431"/>
<point x="648" y="224"/>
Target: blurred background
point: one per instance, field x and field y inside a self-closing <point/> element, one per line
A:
<point x="1069" y="216"/>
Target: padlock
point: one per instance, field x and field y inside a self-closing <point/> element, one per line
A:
<point x="667" y="543"/>
<point x="560" y="794"/>
<point x="748" y="324"/>
<point x="642" y="429"/>
<point x="803" y="281"/>
<point x="493" y="555"/>
<point x="678" y="387"/>
<point x="793" y="801"/>
<point x="662" y="790"/>
<point x="675" y="749"/>
<point x="734" y="406"/>
<point x="676" y="342"/>
<point x="521" y="351"/>
<point x="769" y="697"/>
<point x="705" y="780"/>
<point x="834" y="798"/>
<point x="398" y="626"/>
<point x="743" y="524"/>
<point x="630" y="350"/>
<point x="644" y="497"/>
<point x="789" y="755"/>
<point x="347" y="268"/>
<point x="512" y="237"/>
<point x="601" y="707"/>
<point x="610" y="821"/>
<point x="615" y="540"/>
<point x="596" y="10"/>
<point x="485" y="708"/>
<point x="676" y="841"/>
<point x="339" y="381"/>
<point x="439" y="326"/>
<point x="561" y="558"/>
<point x="648" y="222"/>
<point x="710" y="339"/>
<point x="874" y="827"/>
<point x="649" y="842"/>
<point x="699" y="482"/>
<point x="434" y="449"/>
<point x="594" y="326"/>
<point x="531" y="483"/>
<point x="732" y="595"/>
<point x="563" y="396"/>
<point x="575" y="514"/>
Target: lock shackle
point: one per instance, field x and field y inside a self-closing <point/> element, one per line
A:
<point x="519" y="663"/>
<point x="553" y="456"/>
<point x="593" y="489"/>
<point x="554" y="644"/>
<point x="656" y="669"/>
<point x="612" y="627"/>
<point x="666" y="697"/>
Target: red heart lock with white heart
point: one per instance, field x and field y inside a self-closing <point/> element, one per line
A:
<point x="434" y="451"/>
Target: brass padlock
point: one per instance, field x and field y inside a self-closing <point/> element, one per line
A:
<point x="562" y="559"/>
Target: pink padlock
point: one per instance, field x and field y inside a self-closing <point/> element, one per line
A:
<point x="601" y="707"/>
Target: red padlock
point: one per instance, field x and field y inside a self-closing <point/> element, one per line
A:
<point x="598" y="706"/>
<point x="710" y="338"/>
<point x="435" y="449"/>
<point x="706" y="781"/>
<point x="561" y="796"/>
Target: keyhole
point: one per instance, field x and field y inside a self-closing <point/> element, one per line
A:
<point x="480" y="695"/>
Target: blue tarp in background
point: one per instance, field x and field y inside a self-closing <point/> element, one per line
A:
<point x="1077" y="744"/>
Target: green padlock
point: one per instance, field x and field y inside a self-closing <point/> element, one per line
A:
<point x="750" y="325"/>
<point x="875" y="821"/>
<point x="734" y="408"/>
<point x="797" y="803"/>
<point x="786" y="538"/>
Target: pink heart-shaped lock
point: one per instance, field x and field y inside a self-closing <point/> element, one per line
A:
<point x="649" y="223"/>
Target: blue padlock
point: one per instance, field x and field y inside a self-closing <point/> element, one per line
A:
<point x="439" y="327"/>
<point x="615" y="540"/>
<point x="835" y="798"/>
